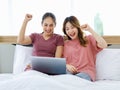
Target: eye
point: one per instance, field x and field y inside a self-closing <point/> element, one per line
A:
<point x="45" y="25"/>
<point x="72" y="27"/>
<point x="66" y="29"/>
<point x="51" y="25"/>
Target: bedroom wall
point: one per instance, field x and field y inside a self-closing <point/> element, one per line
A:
<point x="6" y="58"/>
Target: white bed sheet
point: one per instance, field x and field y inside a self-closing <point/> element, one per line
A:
<point x="33" y="80"/>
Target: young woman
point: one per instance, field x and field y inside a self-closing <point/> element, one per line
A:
<point x="47" y="43"/>
<point x="80" y="50"/>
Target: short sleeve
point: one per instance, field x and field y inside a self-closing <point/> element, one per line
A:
<point x="93" y="44"/>
<point x="60" y="41"/>
<point x="32" y="36"/>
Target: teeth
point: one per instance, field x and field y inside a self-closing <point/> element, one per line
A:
<point x="48" y="31"/>
<point x="72" y="34"/>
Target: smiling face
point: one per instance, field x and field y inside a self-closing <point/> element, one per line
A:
<point x="71" y="31"/>
<point x="48" y="26"/>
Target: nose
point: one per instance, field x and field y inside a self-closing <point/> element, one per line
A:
<point x="70" y="31"/>
<point x="48" y="28"/>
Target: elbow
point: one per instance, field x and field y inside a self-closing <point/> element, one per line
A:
<point x="103" y="45"/>
<point x="20" y="41"/>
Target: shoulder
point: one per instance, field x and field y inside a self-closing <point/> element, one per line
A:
<point x="58" y="36"/>
<point x="36" y="34"/>
<point x="67" y="42"/>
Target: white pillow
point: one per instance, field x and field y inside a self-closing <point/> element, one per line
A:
<point x="22" y="53"/>
<point x="108" y="64"/>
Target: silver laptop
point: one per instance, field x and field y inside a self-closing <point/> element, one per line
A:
<point x="49" y="65"/>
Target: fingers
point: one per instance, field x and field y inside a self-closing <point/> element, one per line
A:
<point x="28" y="67"/>
<point x="84" y="26"/>
<point x="28" y="17"/>
<point x="72" y="69"/>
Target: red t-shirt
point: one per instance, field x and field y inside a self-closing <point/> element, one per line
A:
<point x="47" y="48"/>
<point x="83" y="58"/>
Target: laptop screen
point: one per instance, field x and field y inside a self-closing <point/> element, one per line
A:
<point x="49" y="65"/>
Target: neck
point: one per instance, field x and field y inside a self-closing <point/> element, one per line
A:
<point x="47" y="36"/>
<point x="76" y="39"/>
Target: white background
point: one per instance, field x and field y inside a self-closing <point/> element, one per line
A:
<point x="13" y="13"/>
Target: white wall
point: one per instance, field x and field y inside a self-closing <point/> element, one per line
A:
<point x="13" y="12"/>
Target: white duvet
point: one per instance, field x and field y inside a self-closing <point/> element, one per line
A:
<point x="33" y="80"/>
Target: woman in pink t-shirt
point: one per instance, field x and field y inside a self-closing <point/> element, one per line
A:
<point x="45" y="44"/>
<point x="80" y="50"/>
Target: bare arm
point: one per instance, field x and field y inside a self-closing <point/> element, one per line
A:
<point x="59" y="51"/>
<point x="22" y="39"/>
<point x="100" y="41"/>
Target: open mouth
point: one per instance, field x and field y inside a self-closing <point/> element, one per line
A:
<point x="48" y="31"/>
<point x="72" y="34"/>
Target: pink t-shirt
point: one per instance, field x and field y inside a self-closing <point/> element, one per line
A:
<point x="83" y="58"/>
<point x="47" y="48"/>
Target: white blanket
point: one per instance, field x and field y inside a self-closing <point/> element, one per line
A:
<point x="33" y="80"/>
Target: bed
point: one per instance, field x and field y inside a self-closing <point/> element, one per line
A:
<point x="107" y="77"/>
<point x="107" y="67"/>
<point x="32" y="80"/>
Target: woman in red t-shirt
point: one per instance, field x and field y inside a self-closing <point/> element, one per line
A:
<point x="47" y="43"/>
<point x="80" y="50"/>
